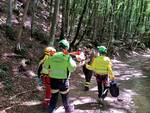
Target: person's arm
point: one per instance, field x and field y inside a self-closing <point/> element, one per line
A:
<point x="110" y="71"/>
<point x="91" y="66"/>
<point x="40" y="65"/>
<point x="45" y="68"/>
<point x="71" y="64"/>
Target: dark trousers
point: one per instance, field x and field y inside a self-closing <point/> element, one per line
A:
<point x="59" y="85"/>
<point x="103" y="84"/>
<point x="88" y="75"/>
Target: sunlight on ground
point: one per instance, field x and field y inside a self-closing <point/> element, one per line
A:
<point x="128" y="93"/>
<point x="31" y="103"/>
<point x="4" y="111"/>
<point x="147" y="56"/>
<point x="93" y="89"/>
<point x="60" y="109"/>
<point x="124" y="71"/>
<point x="112" y="110"/>
<point x="82" y="100"/>
<point x="134" y="53"/>
<point x="2" y="20"/>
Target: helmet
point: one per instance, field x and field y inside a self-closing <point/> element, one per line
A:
<point x="49" y="50"/>
<point x="102" y="49"/>
<point x="64" y="44"/>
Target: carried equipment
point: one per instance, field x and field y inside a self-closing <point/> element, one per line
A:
<point x="114" y="89"/>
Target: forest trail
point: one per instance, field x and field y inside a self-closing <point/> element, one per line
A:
<point x="134" y="81"/>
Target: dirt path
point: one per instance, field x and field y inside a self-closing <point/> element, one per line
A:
<point x="132" y="77"/>
<point x="129" y="74"/>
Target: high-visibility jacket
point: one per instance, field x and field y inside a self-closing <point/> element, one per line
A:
<point x="40" y="66"/>
<point x="42" y="61"/>
<point x="59" y="66"/>
<point x="101" y="65"/>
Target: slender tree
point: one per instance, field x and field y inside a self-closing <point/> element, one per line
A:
<point x="21" y="25"/>
<point x="34" y="6"/>
<point x="79" y="24"/>
<point x="53" y="28"/>
<point x="9" y="16"/>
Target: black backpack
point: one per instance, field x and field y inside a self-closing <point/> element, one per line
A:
<point x="114" y="89"/>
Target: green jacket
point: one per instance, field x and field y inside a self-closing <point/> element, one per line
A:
<point x="59" y="66"/>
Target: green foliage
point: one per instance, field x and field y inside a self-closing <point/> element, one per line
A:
<point x="148" y="8"/>
<point x="6" y="77"/>
<point x="142" y="29"/>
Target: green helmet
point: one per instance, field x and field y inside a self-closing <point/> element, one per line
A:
<point x="64" y="44"/>
<point x="102" y="49"/>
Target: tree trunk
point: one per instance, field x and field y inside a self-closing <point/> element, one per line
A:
<point x="79" y="24"/>
<point x="34" y="6"/>
<point x="50" y="10"/>
<point x="53" y="28"/>
<point x="65" y="19"/>
<point x="72" y="19"/>
<point x="63" y="27"/>
<point x="9" y="16"/>
<point x="22" y="24"/>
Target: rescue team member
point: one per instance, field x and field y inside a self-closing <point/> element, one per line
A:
<point x="80" y="58"/>
<point x="60" y="65"/>
<point x="48" y="52"/>
<point x="102" y="66"/>
<point x="89" y="54"/>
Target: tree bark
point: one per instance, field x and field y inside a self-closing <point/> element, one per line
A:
<point x="22" y="24"/>
<point x="34" y="6"/>
<point x="53" y="28"/>
<point x="79" y="24"/>
<point x="9" y="16"/>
